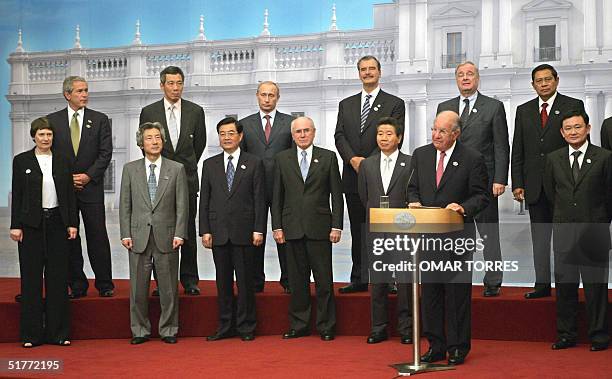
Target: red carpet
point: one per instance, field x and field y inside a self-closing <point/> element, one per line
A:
<point x="507" y="317"/>
<point x="270" y="357"/>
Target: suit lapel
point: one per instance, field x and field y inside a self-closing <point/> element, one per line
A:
<point x="554" y="114"/>
<point x="67" y="140"/>
<point x="454" y="161"/>
<point x="473" y="115"/>
<point x="295" y="165"/>
<point x="162" y="183"/>
<point x="375" y="106"/>
<point x="185" y="119"/>
<point x="256" y="123"/>
<point x="314" y="164"/>
<point x="275" y="126"/>
<point x="141" y="181"/>
<point x="378" y="176"/>
<point x="242" y="162"/>
<point x="589" y="158"/>
<point x="397" y="170"/>
<point x="34" y="162"/>
<point x="160" y="115"/>
<point x="86" y="131"/>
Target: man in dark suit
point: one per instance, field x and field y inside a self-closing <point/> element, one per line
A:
<point x="535" y="135"/>
<point x="153" y="225"/>
<point x="450" y="175"/>
<point x="267" y="133"/>
<point x="306" y="177"/>
<point x="356" y="140"/>
<point x="232" y="224"/>
<point x="84" y="135"/>
<point x="387" y="174"/>
<point x="606" y="134"/>
<point x="578" y="183"/>
<point x="185" y="128"/>
<point x="484" y="128"/>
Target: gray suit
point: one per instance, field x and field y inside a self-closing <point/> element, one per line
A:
<point x="486" y="131"/>
<point x="152" y="227"/>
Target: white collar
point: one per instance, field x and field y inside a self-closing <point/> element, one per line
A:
<point x="582" y="148"/>
<point x="156" y="162"/>
<point x="272" y="114"/>
<point x="374" y="93"/>
<point x="393" y="155"/>
<point x="168" y="104"/>
<point x="235" y="156"/>
<point x="550" y="102"/>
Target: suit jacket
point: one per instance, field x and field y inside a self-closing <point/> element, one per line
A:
<point x="486" y="130"/>
<point x="166" y="217"/>
<point x="464" y="181"/>
<point x="582" y="210"/>
<point x="606" y="134"/>
<point x="531" y="143"/>
<point x="192" y="136"/>
<point x="350" y="142"/>
<point x="232" y="216"/>
<point x="254" y="142"/>
<point x="95" y="149"/>
<point x="301" y="208"/>
<point x="26" y="206"/>
<point x="371" y="185"/>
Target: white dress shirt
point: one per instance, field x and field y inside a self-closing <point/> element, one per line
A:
<point x="49" y="194"/>
<point x="308" y="155"/>
<point x="81" y="112"/>
<point x="374" y="93"/>
<point x="263" y="120"/>
<point x="448" y="152"/>
<point x="235" y="156"/>
<point x="472" y="100"/>
<point x="158" y="163"/>
<point x="387" y="172"/>
<point x="550" y="103"/>
<point x="582" y="149"/>
<point x="177" y="115"/>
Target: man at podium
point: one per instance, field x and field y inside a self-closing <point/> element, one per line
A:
<point x="449" y="175"/>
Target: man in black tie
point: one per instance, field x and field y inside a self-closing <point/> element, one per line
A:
<point x="450" y="175"/>
<point x="267" y="133"/>
<point x="84" y="135"/>
<point x="306" y="179"/>
<point x="355" y="137"/>
<point x="484" y="128"/>
<point x="535" y="135"/>
<point x="578" y="184"/>
<point x="232" y="224"/>
<point x="185" y="128"/>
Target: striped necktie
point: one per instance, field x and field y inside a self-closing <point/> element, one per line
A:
<point x="365" y="111"/>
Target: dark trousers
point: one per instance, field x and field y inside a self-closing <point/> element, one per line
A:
<point x="98" y="250"/>
<point x="540" y="215"/>
<point x="44" y="252"/>
<point x="239" y="315"/>
<point x="487" y="223"/>
<point x="259" y="278"/>
<point x="357" y="217"/>
<point x="379" y="303"/>
<point x="303" y="256"/>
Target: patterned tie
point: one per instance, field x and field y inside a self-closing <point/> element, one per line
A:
<point x="576" y="166"/>
<point x="304" y="166"/>
<point x="440" y="169"/>
<point x="152" y="183"/>
<point x="229" y="173"/>
<point x="172" y="127"/>
<point x="75" y="132"/>
<point x="466" y="112"/>
<point x="268" y="128"/>
<point x="544" y="115"/>
<point x="365" y="112"/>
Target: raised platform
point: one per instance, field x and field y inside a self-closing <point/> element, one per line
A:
<point x="508" y="317"/>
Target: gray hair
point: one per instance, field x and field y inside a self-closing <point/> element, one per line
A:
<point x="302" y="118"/>
<point x="466" y="63"/>
<point x="147" y="126"/>
<point x="67" y="86"/>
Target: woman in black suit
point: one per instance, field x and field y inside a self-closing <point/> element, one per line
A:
<point x="43" y="219"/>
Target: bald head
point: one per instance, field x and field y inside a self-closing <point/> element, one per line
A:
<point x="446" y="130"/>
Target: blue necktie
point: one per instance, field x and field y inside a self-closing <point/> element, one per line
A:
<point x="152" y="183"/>
<point x="304" y="166"/>
<point x="365" y="112"/>
<point x="229" y="173"/>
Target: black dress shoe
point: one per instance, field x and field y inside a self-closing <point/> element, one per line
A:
<point x="432" y="356"/>
<point x="221" y="336"/>
<point x="139" y="340"/>
<point x="77" y="295"/>
<point x="286" y="288"/>
<point x="406" y="339"/>
<point x="538" y="293"/>
<point x="599" y="346"/>
<point x="107" y="293"/>
<point x="192" y="291"/>
<point x="155" y="292"/>
<point x="247" y="337"/>
<point x="377" y="337"/>
<point x="456" y="357"/>
<point x="491" y="291"/>
<point x="354" y="287"/>
<point x="327" y="336"/>
<point x="393" y="289"/>
<point x="169" y="339"/>
<point x="563" y="343"/>
<point x="18" y="298"/>
<point x="296" y="334"/>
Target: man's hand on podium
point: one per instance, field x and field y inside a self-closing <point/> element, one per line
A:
<point x="456" y="207"/>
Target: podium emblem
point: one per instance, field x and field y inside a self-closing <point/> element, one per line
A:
<point x="404" y="221"/>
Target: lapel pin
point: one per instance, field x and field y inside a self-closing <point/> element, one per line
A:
<point x="402" y="164"/>
<point x="316" y="160"/>
<point x="455" y="164"/>
<point x="28" y="171"/>
<point x="243" y="167"/>
<point x="166" y="178"/>
<point x="557" y="112"/>
<point x="191" y="136"/>
<point x="475" y="110"/>
<point x="588" y="160"/>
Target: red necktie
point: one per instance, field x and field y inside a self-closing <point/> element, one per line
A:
<point x="268" y="128"/>
<point x="544" y="115"/>
<point x="440" y="169"/>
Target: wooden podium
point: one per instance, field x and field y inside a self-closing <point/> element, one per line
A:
<point x="415" y="221"/>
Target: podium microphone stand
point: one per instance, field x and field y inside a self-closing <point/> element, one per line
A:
<point x="425" y="220"/>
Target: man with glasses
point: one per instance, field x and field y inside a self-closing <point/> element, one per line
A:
<point x="536" y="133"/>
